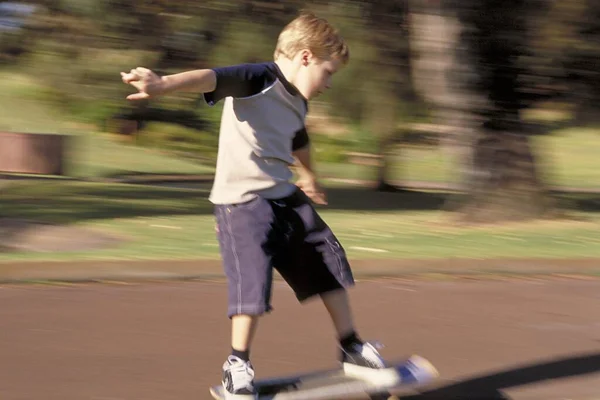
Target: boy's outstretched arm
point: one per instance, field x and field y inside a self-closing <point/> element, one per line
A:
<point x="150" y="84"/>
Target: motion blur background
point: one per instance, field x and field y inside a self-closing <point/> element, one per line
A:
<point x="449" y="113"/>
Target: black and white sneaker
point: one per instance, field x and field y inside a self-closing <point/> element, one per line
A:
<point x="363" y="361"/>
<point x="238" y="379"/>
<point x="363" y="355"/>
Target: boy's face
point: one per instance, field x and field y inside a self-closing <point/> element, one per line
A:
<point x="315" y="75"/>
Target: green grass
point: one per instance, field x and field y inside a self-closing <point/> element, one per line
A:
<point x="163" y="223"/>
<point x="568" y="156"/>
<point x="421" y="235"/>
<point x="90" y="153"/>
<point x="413" y="165"/>
<point x="169" y="223"/>
<point x="22" y="110"/>
<point x="96" y="154"/>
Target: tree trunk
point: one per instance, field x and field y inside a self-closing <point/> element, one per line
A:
<point x="391" y="83"/>
<point x="434" y="35"/>
<point x="380" y="118"/>
<point x="386" y="151"/>
<point x="504" y="184"/>
<point x="471" y="72"/>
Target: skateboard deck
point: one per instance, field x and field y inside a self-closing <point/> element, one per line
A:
<point x="335" y="383"/>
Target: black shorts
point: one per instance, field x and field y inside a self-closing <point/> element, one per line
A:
<point x="286" y="235"/>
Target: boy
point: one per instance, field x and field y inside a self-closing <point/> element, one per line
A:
<point x="263" y="220"/>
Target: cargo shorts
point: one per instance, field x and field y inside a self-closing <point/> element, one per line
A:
<point x="286" y="235"/>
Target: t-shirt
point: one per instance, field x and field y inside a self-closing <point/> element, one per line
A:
<point x="261" y="124"/>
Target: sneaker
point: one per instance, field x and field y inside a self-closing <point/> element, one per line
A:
<point x="363" y="361"/>
<point x="238" y="379"/>
<point x="363" y="355"/>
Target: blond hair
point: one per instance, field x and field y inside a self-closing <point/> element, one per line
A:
<point x="308" y="31"/>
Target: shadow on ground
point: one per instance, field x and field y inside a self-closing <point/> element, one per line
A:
<point x="579" y="200"/>
<point x="490" y="386"/>
<point x="75" y="201"/>
<point x="28" y="206"/>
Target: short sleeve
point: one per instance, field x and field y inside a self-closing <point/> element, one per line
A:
<point x="241" y="80"/>
<point x="300" y="140"/>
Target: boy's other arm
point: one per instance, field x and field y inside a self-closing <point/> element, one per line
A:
<point x="150" y="84"/>
<point x="307" y="177"/>
<point x="304" y="163"/>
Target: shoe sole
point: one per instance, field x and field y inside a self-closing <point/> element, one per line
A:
<point x="228" y="396"/>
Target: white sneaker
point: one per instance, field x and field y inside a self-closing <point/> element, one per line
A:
<point x="238" y="379"/>
<point x="363" y="361"/>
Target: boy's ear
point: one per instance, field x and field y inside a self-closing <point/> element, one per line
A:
<point x="306" y="57"/>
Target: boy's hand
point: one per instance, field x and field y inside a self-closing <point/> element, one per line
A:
<point x="313" y="190"/>
<point x="145" y="81"/>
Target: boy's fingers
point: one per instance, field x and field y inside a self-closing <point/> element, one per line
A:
<point x="143" y="70"/>
<point x="138" y="96"/>
<point x="133" y="74"/>
<point x="128" y="78"/>
<point x="135" y="77"/>
<point x="323" y="197"/>
<point x="318" y="197"/>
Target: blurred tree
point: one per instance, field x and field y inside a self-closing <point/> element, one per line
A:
<point x="504" y="183"/>
<point x="434" y="36"/>
<point x="481" y="91"/>
<point x="390" y="80"/>
<point x="567" y="45"/>
<point x="479" y="64"/>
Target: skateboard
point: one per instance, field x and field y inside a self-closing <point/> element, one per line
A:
<point x="344" y="384"/>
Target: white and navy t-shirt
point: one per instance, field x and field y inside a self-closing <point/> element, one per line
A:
<point x="262" y="123"/>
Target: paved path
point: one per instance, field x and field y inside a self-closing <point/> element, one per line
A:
<point x="452" y="268"/>
<point x="525" y="339"/>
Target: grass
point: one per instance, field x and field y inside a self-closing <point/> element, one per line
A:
<point x="414" y="164"/>
<point x="568" y="156"/>
<point x="98" y="155"/>
<point x="90" y="153"/>
<point x="172" y="223"/>
<point x="21" y="109"/>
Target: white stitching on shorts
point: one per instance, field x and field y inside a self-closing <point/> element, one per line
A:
<point x="334" y="247"/>
<point x="237" y="260"/>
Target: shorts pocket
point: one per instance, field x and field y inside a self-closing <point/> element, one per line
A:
<point x="338" y="259"/>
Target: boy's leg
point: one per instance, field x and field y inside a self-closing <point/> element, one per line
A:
<point x="354" y="352"/>
<point x="317" y="266"/>
<point x="338" y="306"/>
<point x="244" y="233"/>
<point x="243" y="328"/>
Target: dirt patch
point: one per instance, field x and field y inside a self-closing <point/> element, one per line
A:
<point x="18" y="235"/>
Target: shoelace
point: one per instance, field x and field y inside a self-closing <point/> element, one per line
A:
<point x="368" y="352"/>
<point x="376" y="344"/>
<point x="242" y="375"/>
